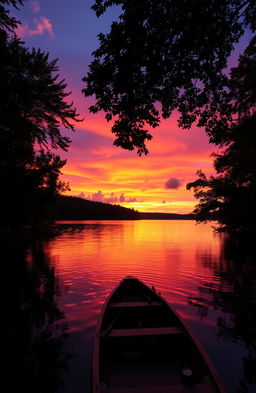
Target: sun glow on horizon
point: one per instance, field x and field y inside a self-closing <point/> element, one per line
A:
<point x="99" y="171"/>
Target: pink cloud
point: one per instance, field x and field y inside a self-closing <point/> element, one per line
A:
<point x="122" y="198"/>
<point x="81" y="195"/>
<point x="112" y="198"/>
<point x="35" y="6"/>
<point x="97" y="196"/>
<point x="42" y="25"/>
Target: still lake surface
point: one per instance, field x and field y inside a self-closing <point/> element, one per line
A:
<point x="55" y="282"/>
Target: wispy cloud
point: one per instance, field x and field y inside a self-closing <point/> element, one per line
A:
<point x="35" y="6"/>
<point x="42" y="25"/>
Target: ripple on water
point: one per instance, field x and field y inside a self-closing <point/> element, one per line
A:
<point x="184" y="261"/>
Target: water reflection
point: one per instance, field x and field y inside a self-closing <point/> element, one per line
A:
<point x="234" y="294"/>
<point x="34" y="330"/>
<point x="55" y="282"/>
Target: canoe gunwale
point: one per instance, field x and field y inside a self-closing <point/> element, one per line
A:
<point x="96" y="346"/>
<point x="185" y="330"/>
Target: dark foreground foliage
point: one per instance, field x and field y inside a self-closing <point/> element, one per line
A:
<point x="231" y="194"/>
<point x="171" y="53"/>
<point x="33" y="108"/>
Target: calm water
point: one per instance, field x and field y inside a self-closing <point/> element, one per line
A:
<point x="55" y="282"/>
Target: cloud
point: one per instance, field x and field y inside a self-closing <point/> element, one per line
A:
<point x="112" y="198"/>
<point x="81" y="195"/>
<point x="122" y="198"/>
<point x="173" y="183"/>
<point x="35" y="6"/>
<point x="42" y="25"/>
<point x="97" y="197"/>
<point x="132" y="199"/>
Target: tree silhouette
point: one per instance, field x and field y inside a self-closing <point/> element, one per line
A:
<point x="165" y="54"/>
<point x="230" y="196"/>
<point x="33" y="109"/>
<point x="6" y="21"/>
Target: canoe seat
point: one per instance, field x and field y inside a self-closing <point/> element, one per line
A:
<point x="134" y="304"/>
<point x="145" y="331"/>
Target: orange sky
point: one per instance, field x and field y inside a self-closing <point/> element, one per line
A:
<point x="95" y="168"/>
<point x="100" y="171"/>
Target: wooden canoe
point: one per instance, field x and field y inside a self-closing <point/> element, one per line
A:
<point x="142" y="346"/>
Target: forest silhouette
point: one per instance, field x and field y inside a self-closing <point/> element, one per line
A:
<point x="142" y="71"/>
<point x="74" y="208"/>
<point x="31" y="114"/>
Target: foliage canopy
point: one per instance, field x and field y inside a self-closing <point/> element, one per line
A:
<point x="230" y="196"/>
<point x="33" y="109"/>
<point x="169" y="54"/>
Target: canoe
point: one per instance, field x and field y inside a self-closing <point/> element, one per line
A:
<point x="142" y="346"/>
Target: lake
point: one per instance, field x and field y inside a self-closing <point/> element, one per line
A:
<point x="55" y="281"/>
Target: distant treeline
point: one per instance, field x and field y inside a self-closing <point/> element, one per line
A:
<point x="166" y="216"/>
<point x="74" y="208"/>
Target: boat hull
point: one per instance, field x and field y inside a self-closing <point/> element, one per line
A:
<point x="142" y="345"/>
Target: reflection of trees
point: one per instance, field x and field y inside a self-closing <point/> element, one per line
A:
<point x="235" y="295"/>
<point x="34" y="331"/>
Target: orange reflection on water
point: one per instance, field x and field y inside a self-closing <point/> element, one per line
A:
<point x="199" y="273"/>
<point x="166" y="254"/>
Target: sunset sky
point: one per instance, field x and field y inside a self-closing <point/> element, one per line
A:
<point x="95" y="168"/>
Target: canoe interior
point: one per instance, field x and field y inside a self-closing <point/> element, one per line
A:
<point x="144" y="346"/>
